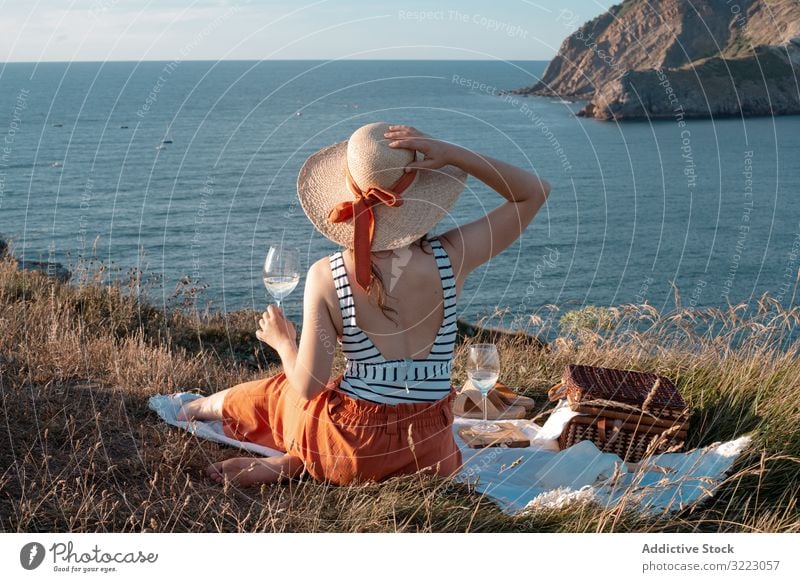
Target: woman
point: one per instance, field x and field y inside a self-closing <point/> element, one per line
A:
<point x="390" y="412"/>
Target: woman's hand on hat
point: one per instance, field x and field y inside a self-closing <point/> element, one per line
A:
<point x="276" y="331"/>
<point x="437" y="153"/>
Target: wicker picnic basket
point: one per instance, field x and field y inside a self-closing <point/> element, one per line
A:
<point x="632" y="414"/>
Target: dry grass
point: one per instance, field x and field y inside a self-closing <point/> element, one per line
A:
<point x="82" y="452"/>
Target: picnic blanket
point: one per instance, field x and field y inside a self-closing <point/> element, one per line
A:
<point x="542" y="476"/>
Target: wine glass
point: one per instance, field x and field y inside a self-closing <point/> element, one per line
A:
<point x="281" y="271"/>
<point x="483" y="368"/>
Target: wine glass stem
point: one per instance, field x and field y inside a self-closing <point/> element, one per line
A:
<point x="278" y="301"/>
<point x="485" y="419"/>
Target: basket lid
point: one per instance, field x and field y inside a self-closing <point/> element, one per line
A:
<point x="628" y="386"/>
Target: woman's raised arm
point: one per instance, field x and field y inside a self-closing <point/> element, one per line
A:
<point x="474" y="243"/>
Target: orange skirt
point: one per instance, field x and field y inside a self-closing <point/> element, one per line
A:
<point x="342" y="439"/>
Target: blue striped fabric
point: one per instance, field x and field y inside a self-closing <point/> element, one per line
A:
<point x="371" y="377"/>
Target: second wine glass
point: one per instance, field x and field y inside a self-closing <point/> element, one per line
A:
<point x="483" y="369"/>
<point x="281" y="271"/>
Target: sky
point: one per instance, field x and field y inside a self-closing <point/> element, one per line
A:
<point x="162" y="30"/>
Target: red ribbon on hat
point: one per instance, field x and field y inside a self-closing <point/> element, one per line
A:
<point x="360" y="210"/>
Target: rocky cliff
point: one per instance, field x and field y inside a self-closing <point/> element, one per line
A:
<point x="688" y="58"/>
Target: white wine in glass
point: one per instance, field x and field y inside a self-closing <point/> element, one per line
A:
<point x="281" y="272"/>
<point x="483" y="369"/>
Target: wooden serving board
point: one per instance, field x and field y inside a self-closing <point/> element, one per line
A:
<point x="508" y="436"/>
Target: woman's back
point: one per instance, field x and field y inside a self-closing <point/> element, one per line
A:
<point x="414" y="289"/>
<point x="410" y="361"/>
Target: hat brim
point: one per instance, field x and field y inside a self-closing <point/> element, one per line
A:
<point x="322" y="184"/>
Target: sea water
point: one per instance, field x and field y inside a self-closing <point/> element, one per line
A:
<point x="190" y="169"/>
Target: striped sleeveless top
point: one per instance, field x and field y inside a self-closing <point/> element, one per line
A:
<point x="368" y="375"/>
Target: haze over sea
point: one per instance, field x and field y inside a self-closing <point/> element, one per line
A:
<point x="711" y="207"/>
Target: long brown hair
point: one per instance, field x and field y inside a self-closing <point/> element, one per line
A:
<point x="378" y="289"/>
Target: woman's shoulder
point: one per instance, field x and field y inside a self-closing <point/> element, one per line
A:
<point x="448" y="246"/>
<point x="321" y="267"/>
<point x="320" y="285"/>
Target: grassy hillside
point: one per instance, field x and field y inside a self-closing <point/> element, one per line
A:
<point x="82" y="452"/>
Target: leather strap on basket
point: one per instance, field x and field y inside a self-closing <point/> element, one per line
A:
<point x="601" y="429"/>
<point x="602" y="423"/>
<point x="556" y="391"/>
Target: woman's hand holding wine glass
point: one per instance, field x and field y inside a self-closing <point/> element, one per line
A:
<point x="275" y="330"/>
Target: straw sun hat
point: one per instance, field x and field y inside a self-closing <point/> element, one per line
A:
<point x="356" y="194"/>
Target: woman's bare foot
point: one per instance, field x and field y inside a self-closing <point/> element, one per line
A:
<point x="247" y="471"/>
